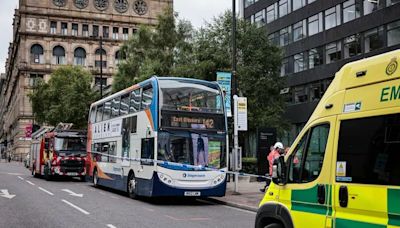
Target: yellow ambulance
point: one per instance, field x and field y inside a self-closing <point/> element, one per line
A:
<point x="343" y="170"/>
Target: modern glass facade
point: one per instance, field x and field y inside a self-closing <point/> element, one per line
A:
<point x="318" y="37"/>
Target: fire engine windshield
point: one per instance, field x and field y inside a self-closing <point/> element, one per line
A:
<point x="70" y="144"/>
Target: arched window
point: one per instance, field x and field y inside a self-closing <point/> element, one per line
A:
<point x="101" y="56"/>
<point x="58" y="55"/>
<point x="37" y="54"/>
<point x="80" y="56"/>
<point x="119" y="56"/>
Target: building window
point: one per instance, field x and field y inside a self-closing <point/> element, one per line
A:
<point x="80" y="56"/>
<point x="58" y="55"/>
<point x="85" y="30"/>
<point x="134" y="30"/>
<point x="373" y="39"/>
<point x="37" y="54"/>
<point x="118" y="57"/>
<point x="370" y="6"/>
<point x="99" y="80"/>
<point x="34" y="79"/>
<point x="274" y="38"/>
<point x="100" y="58"/>
<point x="248" y="3"/>
<point x="284" y="36"/>
<point x="284" y="7"/>
<point x="315" y="57"/>
<point x="285" y="67"/>
<point x="300" y="94"/>
<point x="352" y="46"/>
<point x="95" y="32"/>
<point x="115" y="33"/>
<point x="299" y="30"/>
<point x="351" y="10"/>
<point x="299" y="63"/>
<point x="297" y="4"/>
<point x="316" y="91"/>
<point x="272" y="12"/>
<point x="64" y="28"/>
<point x="106" y="31"/>
<point x="391" y="2"/>
<point x="259" y="18"/>
<point x="315" y="24"/>
<point x="125" y="33"/>
<point x="53" y="27"/>
<point x="333" y="52"/>
<point x="74" y="29"/>
<point x="393" y="33"/>
<point x="332" y="17"/>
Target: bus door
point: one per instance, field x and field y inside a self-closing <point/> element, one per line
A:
<point x="129" y="126"/>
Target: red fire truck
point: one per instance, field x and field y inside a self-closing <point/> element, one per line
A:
<point x="59" y="151"/>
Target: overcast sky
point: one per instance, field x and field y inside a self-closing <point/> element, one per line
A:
<point x="196" y="11"/>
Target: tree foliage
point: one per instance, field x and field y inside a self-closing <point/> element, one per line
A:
<point x="175" y="48"/>
<point x="66" y="97"/>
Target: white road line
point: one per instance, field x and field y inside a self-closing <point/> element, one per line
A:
<point x="76" y="207"/>
<point x="102" y="193"/>
<point x="114" y="197"/>
<point x="20" y="178"/>
<point x="46" y="191"/>
<point x="226" y="206"/>
<point x="30" y="183"/>
<point x="111" y="226"/>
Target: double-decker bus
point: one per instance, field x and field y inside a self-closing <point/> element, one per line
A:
<point x="165" y="136"/>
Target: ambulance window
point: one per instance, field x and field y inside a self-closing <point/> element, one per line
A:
<point x="306" y="165"/>
<point x="368" y="150"/>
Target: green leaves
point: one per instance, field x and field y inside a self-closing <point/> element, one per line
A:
<point x="66" y="97"/>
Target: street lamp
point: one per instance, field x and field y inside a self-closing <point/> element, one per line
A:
<point x="101" y="66"/>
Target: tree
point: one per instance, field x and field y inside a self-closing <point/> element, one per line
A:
<point x="66" y="97"/>
<point x="154" y="51"/>
<point x="258" y="66"/>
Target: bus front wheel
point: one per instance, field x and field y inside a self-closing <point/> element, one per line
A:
<point x="131" y="186"/>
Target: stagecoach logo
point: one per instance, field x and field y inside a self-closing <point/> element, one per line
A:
<point x="392" y="67"/>
<point x="184" y="175"/>
<point x="193" y="175"/>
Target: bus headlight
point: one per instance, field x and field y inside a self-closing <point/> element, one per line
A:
<point x="165" y="178"/>
<point x="219" y="179"/>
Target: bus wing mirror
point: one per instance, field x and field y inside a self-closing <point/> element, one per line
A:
<point x="279" y="171"/>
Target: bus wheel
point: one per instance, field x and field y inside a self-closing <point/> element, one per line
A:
<point x="131" y="188"/>
<point x="95" y="178"/>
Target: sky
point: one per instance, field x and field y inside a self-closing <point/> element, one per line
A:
<point x="196" y="11"/>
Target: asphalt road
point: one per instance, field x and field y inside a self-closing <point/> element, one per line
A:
<point x="39" y="203"/>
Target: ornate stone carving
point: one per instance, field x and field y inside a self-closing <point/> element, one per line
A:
<point x="140" y="7"/>
<point x="101" y="4"/>
<point x="60" y="3"/>
<point x="121" y="6"/>
<point x="81" y="4"/>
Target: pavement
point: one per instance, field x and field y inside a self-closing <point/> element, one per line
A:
<point x="247" y="198"/>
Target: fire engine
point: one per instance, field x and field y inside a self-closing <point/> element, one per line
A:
<point x="58" y="151"/>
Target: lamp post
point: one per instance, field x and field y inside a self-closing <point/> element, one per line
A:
<point x="101" y="66"/>
<point x="234" y="93"/>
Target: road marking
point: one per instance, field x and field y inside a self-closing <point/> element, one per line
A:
<point x="114" y="197"/>
<point x="186" y="219"/>
<point x="15" y="174"/>
<point x="46" y="191"/>
<point x="102" y="193"/>
<point x="4" y="193"/>
<point x="71" y="193"/>
<point x="111" y="226"/>
<point x="148" y="209"/>
<point x="20" y="178"/>
<point x="76" y="207"/>
<point x="30" y="183"/>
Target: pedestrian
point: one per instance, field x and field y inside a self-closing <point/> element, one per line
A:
<point x="9" y="158"/>
<point x="276" y="151"/>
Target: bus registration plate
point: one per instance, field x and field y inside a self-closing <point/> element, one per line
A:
<point x="72" y="174"/>
<point x="192" y="193"/>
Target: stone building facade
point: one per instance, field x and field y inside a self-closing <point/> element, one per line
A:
<point x="50" y="33"/>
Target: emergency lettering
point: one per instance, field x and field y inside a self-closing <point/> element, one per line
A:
<point x="390" y="93"/>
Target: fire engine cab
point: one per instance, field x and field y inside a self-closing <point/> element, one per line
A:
<point x="59" y="151"/>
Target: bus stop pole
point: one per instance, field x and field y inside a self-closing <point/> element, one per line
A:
<point x="235" y="142"/>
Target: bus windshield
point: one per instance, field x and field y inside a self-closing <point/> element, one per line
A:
<point x="190" y="148"/>
<point x="77" y="144"/>
<point x="180" y="95"/>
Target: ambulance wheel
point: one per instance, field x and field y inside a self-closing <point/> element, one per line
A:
<point x="274" y="225"/>
<point x="131" y="186"/>
<point x="95" y="178"/>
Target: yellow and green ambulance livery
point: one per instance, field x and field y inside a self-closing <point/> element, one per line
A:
<point x="343" y="170"/>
